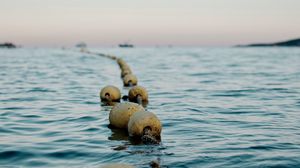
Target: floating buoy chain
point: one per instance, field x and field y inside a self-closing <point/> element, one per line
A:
<point x="130" y="115"/>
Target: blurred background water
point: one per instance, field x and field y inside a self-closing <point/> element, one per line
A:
<point x="220" y="107"/>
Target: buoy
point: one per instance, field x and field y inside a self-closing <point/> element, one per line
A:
<point x="120" y="114"/>
<point x="110" y="94"/>
<point x="155" y="164"/>
<point x="146" y="126"/>
<point x="117" y="165"/>
<point x="121" y="63"/>
<point x="138" y="94"/>
<point x="125" y="72"/>
<point x="125" y="67"/>
<point x="130" y="80"/>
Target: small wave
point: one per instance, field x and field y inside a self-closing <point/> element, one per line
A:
<point x="91" y="129"/>
<point x="204" y="74"/>
<point x="28" y="129"/>
<point x="90" y="102"/>
<point x="13" y="108"/>
<point x="15" y="155"/>
<point x="193" y="90"/>
<point x="25" y="99"/>
<point x="5" y="130"/>
<point x="253" y="112"/>
<point x="207" y="81"/>
<point x="83" y="119"/>
<point x="40" y="89"/>
<point x="31" y="116"/>
<point x="65" y="154"/>
<point x="229" y="95"/>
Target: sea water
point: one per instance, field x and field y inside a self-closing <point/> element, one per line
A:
<point x="219" y="107"/>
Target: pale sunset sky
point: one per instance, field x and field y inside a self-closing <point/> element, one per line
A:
<point x="56" y="23"/>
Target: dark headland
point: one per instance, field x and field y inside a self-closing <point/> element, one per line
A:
<point x="288" y="43"/>
<point x="7" y="45"/>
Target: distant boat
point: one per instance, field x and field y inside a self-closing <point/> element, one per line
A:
<point x="126" y="45"/>
<point x="81" y="45"/>
<point x="8" y="45"/>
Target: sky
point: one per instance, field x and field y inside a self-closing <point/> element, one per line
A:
<point x="56" y="23"/>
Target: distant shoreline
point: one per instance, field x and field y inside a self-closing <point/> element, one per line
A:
<point x="288" y="43"/>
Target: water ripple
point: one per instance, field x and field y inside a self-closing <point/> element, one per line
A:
<point x="219" y="107"/>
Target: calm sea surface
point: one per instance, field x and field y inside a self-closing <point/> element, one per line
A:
<point x="220" y="107"/>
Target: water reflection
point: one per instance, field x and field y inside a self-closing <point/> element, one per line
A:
<point x="122" y="135"/>
<point x="118" y="134"/>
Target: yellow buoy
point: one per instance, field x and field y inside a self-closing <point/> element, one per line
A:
<point x="125" y="67"/>
<point x="138" y="94"/>
<point x="120" y="61"/>
<point x="125" y="72"/>
<point x="110" y="94"/>
<point x="130" y="80"/>
<point x="144" y="123"/>
<point x="120" y="113"/>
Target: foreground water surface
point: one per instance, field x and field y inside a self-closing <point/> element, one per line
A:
<point x="220" y="107"/>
